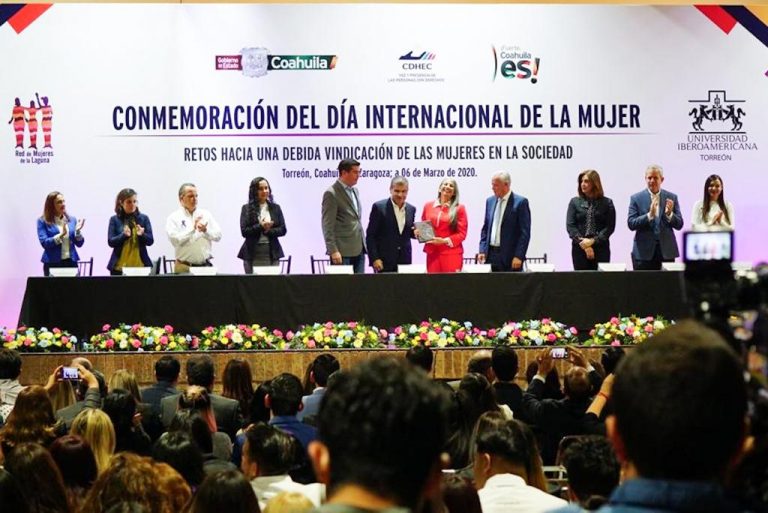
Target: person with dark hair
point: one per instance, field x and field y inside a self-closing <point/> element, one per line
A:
<point x="237" y="384"/>
<point x="31" y="421"/>
<point x="390" y="229"/>
<point x="10" y="369"/>
<point x="284" y="401"/>
<point x="553" y="418"/>
<point x="130" y="232"/>
<point x="474" y="397"/>
<point x="59" y="234"/>
<point x="713" y="212"/>
<point x="200" y="371"/>
<point x="269" y="455"/>
<point x="552" y="389"/>
<point x="382" y="430"/>
<point x="590" y="222"/>
<point x="178" y="450"/>
<point x="506" y="228"/>
<point x="74" y="458"/>
<point x="261" y="223"/>
<point x="120" y="406"/>
<point x="38" y="477"/>
<point x="90" y="390"/>
<point x="610" y="359"/>
<point x="481" y="362"/>
<point x="505" y="367"/>
<point x="342" y="216"/>
<point x="225" y="491"/>
<point x="322" y="367"/>
<point x="502" y="467"/>
<point x="680" y="422"/>
<point x="459" y="495"/>
<point x="196" y="398"/>
<point x="11" y="496"/>
<point x="421" y="357"/>
<point x="192" y="231"/>
<point x="190" y="421"/>
<point x="593" y="470"/>
<point x="167" y="369"/>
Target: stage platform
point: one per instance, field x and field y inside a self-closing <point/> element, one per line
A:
<point x="450" y="363"/>
<point x="190" y="303"/>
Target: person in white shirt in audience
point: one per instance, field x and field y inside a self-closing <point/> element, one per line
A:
<point x="268" y="455"/>
<point x="503" y="471"/>
<point x="192" y="231"/>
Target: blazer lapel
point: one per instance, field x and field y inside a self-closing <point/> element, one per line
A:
<point x="342" y="191"/>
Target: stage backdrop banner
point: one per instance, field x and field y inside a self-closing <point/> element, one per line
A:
<point x="152" y="96"/>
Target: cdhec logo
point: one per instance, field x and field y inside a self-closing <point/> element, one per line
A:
<point x="256" y="62"/>
<point x="28" y="119"/>
<point x="512" y="62"/>
<point x="416" y="66"/>
<point x="717" y="127"/>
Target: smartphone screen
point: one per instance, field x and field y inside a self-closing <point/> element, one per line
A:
<point x="560" y="352"/>
<point x="70" y="373"/>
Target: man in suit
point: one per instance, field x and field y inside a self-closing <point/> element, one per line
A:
<point x="390" y="229"/>
<point x="200" y="371"/>
<point x="322" y="367"/>
<point x="654" y="214"/>
<point x="341" y="219"/>
<point x="167" y="370"/>
<point x="506" y="227"/>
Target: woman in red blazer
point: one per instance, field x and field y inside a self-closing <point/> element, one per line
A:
<point x="445" y="253"/>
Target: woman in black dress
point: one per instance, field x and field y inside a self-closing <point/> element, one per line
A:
<point x="590" y="222"/>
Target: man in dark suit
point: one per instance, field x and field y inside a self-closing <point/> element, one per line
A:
<point x="167" y="370"/>
<point x="342" y="219"/>
<point x="654" y="214"/>
<point x="390" y="229"/>
<point x="505" y="366"/>
<point x="200" y="372"/>
<point x="555" y="418"/>
<point x="506" y="227"/>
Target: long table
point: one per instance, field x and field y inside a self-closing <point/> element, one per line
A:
<point x="189" y="303"/>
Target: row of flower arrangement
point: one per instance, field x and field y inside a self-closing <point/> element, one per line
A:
<point x="441" y="333"/>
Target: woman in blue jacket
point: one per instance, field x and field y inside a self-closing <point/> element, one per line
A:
<point x="130" y="232"/>
<point x="59" y="234"/>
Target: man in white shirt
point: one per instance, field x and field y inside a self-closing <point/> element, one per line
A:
<point x="390" y="229"/>
<point x="506" y="228"/>
<point x="191" y="230"/>
<point x="502" y="467"/>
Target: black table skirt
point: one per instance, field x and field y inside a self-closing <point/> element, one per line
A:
<point x="190" y="303"/>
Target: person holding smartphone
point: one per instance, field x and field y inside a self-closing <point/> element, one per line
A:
<point x="59" y="234"/>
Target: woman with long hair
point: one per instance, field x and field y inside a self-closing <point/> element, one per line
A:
<point x="39" y="478"/>
<point x="590" y="222"/>
<point x="713" y="211"/>
<point x="75" y="460"/>
<point x="130" y="232"/>
<point x="95" y="427"/>
<point x="238" y="384"/>
<point x="261" y="223"/>
<point x="120" y="405"/>
<point x="196" y="398"/>
<point x="226" y="491"/>
<point x="59" y="233"/>
<point x="445" y="252"/>
<point x="31" y="421"/>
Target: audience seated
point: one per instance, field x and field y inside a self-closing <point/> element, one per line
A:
<point x="502" y="467"/>
<point x="381" y="435"/>
<point x="95" y="427"/>
<point x="421" y="357"/>
<point x="167" y="369"/>
<point x="11" y="496"/>
<point x="197" y="398"/>
<point x="201" y="372"/>
<point x="459" y="495"/>
<point x="39" y="478"/>
<point x="268" y="456"/>
<point x="322" y="367"/>
<point x="680" y="407"/>
<point x="74" y="458"/>
<point x="284" y="401"/>
<point x="90" y="391"/>
<point x="226" y="491"/>
<point x="150" y="421"/>
<point x="190" y="421"/>
<point x="289" y="502"/>
<point x="552" y="388"/>
<point x="30" y="421"/>
<point x="62" y="395"/>
<point x="593" y="471"/>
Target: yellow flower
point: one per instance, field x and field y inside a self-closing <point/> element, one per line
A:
<point x="523" y="334"/>
<point x="224" y="341"/>
<point x="441" y="342"/>
<point x="432" y="336"/>
<point x="248" y="345"/>
<point x="318" y="334"/>
<point x="237" y="337"/>
<point x="172" y="345"/>
<point x="358" y="343"/>
<point x="360" y="335"/>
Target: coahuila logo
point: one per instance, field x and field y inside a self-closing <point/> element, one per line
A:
<point x="717" y="129"/>
<point x="255" y="62"/>
<point x="29" y="121"/>
<point x="510" y="61"/>
<point x="416" y="66"/>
